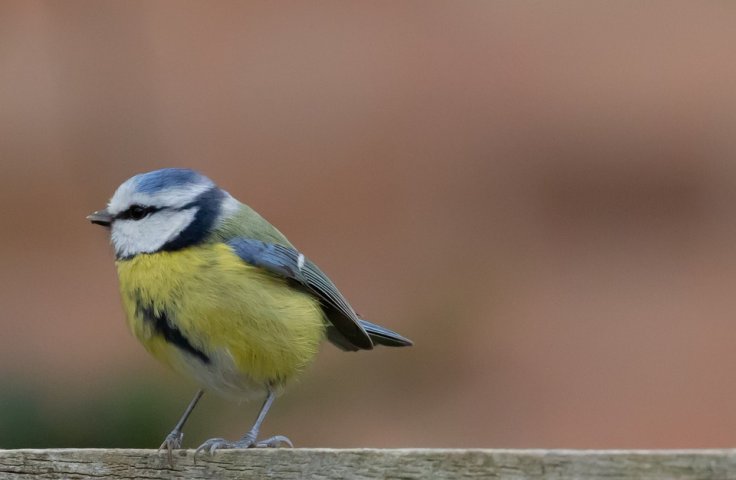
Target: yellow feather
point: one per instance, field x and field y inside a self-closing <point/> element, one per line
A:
<point x="225" y="308"/>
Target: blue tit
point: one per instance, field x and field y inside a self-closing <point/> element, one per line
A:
<point x="217" y="293"/>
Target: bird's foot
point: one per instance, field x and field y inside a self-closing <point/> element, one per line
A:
<point x="248" y="441"/>
<point x="172" y="442"/>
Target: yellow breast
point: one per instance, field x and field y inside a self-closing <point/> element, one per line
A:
<point x="237" y="317"/>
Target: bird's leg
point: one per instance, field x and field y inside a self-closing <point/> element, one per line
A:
<point x="252" y="435"/>
<point x="173" y="439"/>
<point x="249" y="440"/>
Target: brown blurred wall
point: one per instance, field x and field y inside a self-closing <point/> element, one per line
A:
<point x="538" y="194"/>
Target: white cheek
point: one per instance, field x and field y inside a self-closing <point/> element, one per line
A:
<point x="130" y="237"/>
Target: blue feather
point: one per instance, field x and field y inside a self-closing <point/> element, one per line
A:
<point x="158" y="180"/>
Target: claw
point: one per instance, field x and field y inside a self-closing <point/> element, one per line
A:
<point x="275" y="442"/>
<point x="172" y="442"/>
<point x="210" y="446"/>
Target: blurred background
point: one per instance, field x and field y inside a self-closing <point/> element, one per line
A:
<point x="539" y="194"/>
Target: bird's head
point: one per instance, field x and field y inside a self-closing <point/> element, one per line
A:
<point x="165" y="209"/>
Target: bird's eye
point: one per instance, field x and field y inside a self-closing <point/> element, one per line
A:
<point x="136" y="212"/>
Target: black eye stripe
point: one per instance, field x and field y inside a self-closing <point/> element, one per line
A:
<point x="136" y="212"/>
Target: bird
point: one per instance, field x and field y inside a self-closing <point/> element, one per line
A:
<point x="217" y="293"/>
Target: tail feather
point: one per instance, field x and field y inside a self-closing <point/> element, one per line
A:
<point x="378" y="334"/>
<point x="383" y="336"/>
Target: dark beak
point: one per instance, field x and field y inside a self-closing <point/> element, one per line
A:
<point x="101" y="217"/>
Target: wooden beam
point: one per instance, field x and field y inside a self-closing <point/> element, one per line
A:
<point x="366" y="464"/>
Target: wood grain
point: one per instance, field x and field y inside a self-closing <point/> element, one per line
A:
<point x="370" y="464"/>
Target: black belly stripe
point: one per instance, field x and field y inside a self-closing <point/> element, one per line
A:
<point x="162" y="326"/>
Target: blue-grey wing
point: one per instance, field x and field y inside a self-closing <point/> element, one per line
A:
<point x="348" y="332"/>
